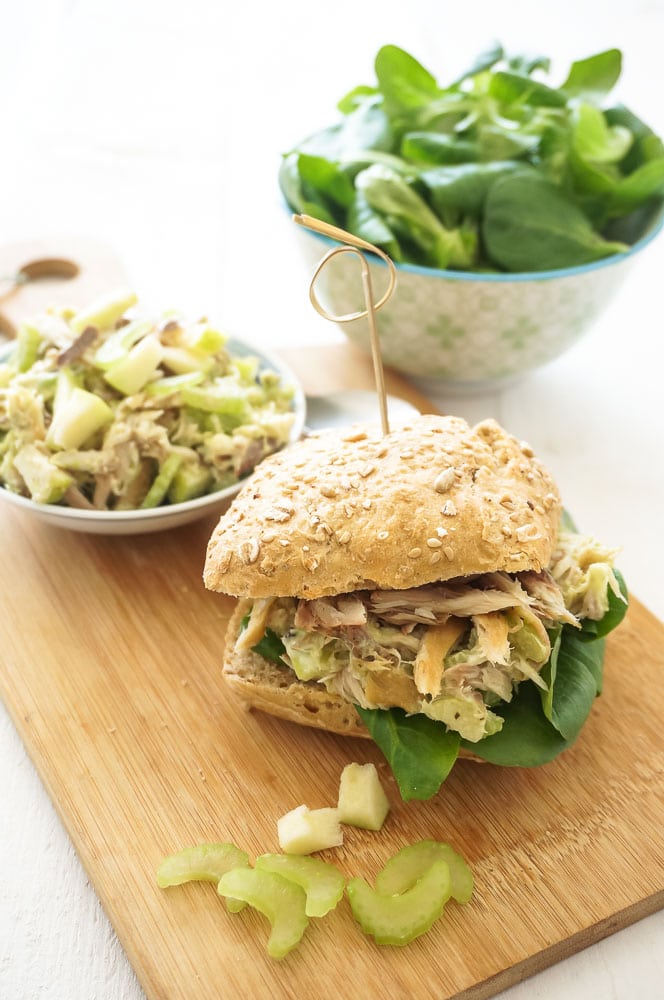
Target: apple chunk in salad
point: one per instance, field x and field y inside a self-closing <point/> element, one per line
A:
<point x="108" y="409"/>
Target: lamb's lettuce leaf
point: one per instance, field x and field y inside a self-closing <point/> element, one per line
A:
<point x="574" y="678"/>
<point x="421" y="752"/>
<point x="591" y="630"/>
<point x="270" y="646"/>
<point x="602" y="169"/>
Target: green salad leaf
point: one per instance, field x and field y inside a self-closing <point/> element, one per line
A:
<point x="594" y="77"/>
<point x="420" y="751"/>
<point x="270" y="646"/>
<point x="529" y="225"/>
<point x="574" y="678"/>
<point x="616" y="612"/>
<point x="418" y="167"/>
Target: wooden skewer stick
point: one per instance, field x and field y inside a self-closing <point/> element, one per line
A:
<point x="355" y="245"/>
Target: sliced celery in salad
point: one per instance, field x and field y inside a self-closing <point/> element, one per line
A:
<point x="110" y="409"/>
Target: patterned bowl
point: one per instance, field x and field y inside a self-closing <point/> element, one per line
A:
<point x="470" y="331"/>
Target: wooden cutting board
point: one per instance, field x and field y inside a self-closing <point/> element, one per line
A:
<point x="110" y="670"/>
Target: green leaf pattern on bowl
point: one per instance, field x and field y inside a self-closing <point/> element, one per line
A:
<point x="469" y="331"/>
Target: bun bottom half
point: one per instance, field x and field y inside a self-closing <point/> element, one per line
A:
<point x="263" y="685"/>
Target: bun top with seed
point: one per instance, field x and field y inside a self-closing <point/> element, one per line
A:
<point x="338" y="512"/>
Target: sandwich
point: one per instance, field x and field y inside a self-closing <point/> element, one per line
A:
<point x="423" y="588"/>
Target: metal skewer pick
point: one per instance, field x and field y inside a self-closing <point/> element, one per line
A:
<point x="355" y="245"/>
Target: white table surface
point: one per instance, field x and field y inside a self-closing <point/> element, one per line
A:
<point x="157" y="127"/>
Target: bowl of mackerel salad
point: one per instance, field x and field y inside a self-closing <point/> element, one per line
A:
<point x="116" y="420"/>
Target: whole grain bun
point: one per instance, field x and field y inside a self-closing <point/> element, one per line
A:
<point x="265" y="686"/>
<point x="433" y="500"/>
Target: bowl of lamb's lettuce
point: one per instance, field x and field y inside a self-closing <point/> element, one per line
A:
<point x="512" y="205"/>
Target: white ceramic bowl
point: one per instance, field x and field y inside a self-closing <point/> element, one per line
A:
<point x="468" y="331"/>
<point x="138" y="522"/>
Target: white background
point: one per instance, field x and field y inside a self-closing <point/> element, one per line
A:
<point x="157" y="127"/>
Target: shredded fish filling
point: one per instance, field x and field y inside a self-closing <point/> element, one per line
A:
<point x="451" y="651"/>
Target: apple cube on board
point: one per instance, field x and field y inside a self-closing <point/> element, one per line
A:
<point x="362" y="800"/>
<point x="304" y="830"/>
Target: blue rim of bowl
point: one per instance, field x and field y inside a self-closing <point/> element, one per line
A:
<point x="474" y="276"/>
<point x="234" y="345"/>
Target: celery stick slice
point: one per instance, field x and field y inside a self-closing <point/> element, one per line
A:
<point x="322" y="882"/>
<point x="202" y="863"/>
<point x="409" y="864"/>
<point x="66" y="382"/>
<point x="163" y="480"/>
<point x="28" y="343"/>
<point x="224" y="397"/>
<point x="399" y="919"/>
<point x="191" y="480"/>
<point x="206" y="338"/>
<point x="280" y="900"/>
<point x="170" y="384"/>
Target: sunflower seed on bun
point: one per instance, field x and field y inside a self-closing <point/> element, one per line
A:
<point x="433" y="500"/>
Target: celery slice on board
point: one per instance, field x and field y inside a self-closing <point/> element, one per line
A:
<point x="280" y="900"/>
<point x="202" y="863"/>
<point x="322" y="882"/>
<point x="399" y="919"/>
<point x="409" y="864"/>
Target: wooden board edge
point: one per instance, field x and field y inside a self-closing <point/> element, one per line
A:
<point x="562" y="950"/>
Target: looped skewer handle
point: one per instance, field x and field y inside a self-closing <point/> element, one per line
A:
<point x="355" y="245"/>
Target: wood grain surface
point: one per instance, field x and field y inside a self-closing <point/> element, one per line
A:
<point x="110" y="670"/>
